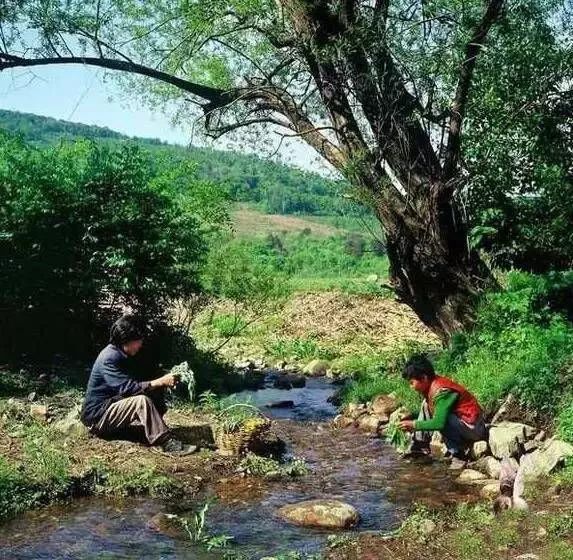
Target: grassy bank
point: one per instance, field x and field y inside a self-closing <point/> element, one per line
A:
<point x="42" y="467"/>
<point x="467" y="532"/>
<point x="42" y="462"/>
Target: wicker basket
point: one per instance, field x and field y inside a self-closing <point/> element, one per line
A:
<point x="237" y="441"/>
<point x="229" y="443"/>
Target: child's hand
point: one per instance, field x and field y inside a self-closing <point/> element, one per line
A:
<point x="406" y="425"/>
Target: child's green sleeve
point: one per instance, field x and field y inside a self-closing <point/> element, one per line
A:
<point x="444" y="401"/>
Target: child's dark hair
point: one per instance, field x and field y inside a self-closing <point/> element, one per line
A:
<point x="126" y="329"/>
<point x="417" y="367"/>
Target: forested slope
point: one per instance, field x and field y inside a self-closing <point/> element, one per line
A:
<point x="273" y="187"/>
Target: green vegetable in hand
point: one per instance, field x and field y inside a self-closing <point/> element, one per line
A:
<point x="397" y="437"/>
<point x="186" y="376"/>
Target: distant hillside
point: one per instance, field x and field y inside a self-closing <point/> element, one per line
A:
<point x="273" y="187"/>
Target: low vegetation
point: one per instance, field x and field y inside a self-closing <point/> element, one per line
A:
<point x="42" y="471"/>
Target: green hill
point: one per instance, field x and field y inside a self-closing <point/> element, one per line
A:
<point x="272" y="187"/>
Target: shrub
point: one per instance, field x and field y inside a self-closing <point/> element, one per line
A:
<point x="86" y="230"/>
<point x="228" y="325"/>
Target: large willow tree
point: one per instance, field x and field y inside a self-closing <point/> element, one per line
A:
<point x="379" y="88"/>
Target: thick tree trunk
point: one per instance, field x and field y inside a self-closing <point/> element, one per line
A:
<point x="431" y="266"/>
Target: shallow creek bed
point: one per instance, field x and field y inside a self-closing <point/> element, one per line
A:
<point x="345" y="465"/>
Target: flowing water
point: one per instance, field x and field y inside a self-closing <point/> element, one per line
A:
<point x="345" y="464"/>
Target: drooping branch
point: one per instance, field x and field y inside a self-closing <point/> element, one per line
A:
<point x="211" y="94"/>
<point x="472" y="51"/>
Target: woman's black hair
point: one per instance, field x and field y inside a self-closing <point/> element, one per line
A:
<point x="417" y="367"/>
<point x="126" y="329"/>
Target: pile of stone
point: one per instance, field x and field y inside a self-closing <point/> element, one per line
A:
<point x="372" y="417"/>
<point x="523" y="448"/>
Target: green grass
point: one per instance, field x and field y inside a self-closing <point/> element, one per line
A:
<point x="470" y="531"/>
<point x="380" y="372"/>
<point x="297" y="261"/>
<point x="302" y="349"/>
<point x="45" y="473"/>
<point x="520" y="344"/>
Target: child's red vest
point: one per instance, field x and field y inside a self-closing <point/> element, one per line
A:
<point x="466" y="407"/>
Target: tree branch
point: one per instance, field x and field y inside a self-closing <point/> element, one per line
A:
<point x="215" y="96"/>
<point x="472" y="51"/>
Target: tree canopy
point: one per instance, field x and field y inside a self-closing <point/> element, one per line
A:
<point x="386" y="91"/>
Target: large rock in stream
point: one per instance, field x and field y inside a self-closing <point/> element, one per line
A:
<point x="289" y="381"/>
<point x="332" y="514"/>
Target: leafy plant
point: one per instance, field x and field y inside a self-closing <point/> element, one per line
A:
<point x="263" y="466"/>
<point x="186" y="376"/>
<point x="397" y="437"/>
<point x="233" y="416"/>
<point x="195" y="527"/>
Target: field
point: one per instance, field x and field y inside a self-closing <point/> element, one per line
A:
<point x="247" y="222"/>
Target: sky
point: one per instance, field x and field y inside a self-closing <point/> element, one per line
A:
<point x="80" y="94"/>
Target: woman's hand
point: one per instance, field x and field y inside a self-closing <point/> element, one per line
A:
<point x="168" y="380"/>
<point x="406" y="425"/>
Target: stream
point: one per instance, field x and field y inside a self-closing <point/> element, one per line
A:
<point x="345" y="464"/>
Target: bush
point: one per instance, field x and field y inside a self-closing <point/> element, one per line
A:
<point x="86" y="231"/>
<point x="228" y="325"/>
<point x="520" y="344"/>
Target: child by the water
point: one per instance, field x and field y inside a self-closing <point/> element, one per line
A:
<point x="448" y="408"/>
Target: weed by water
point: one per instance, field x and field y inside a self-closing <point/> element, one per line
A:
<point x="140" y="481"/>
<point x="196" y="528"/>
<point x="263" y="466"/>
<point x="44" y="462"/>
<point x="380" y="372"/>
<point x="307" y="348"/>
